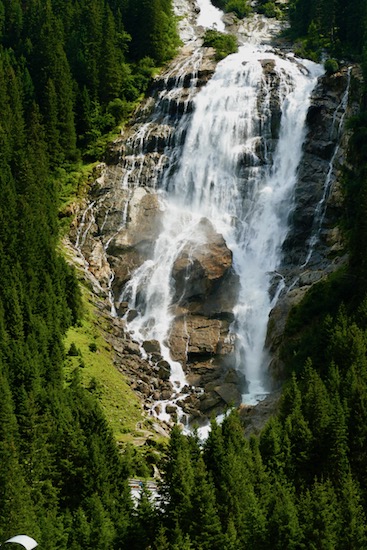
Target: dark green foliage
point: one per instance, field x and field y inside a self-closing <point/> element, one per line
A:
<point x="65" y="78"/>
<point x="331" y="66"/>
<point x="224" y="44"/>
<point x="269" y="8"/>
<point x="336" y="25"/>
<point x="152" y="27"/>
<point x="73" y="350"/>
<point x="240" y="7"/>
<point x="69" y="71"/>
<point x="74" y="60"/>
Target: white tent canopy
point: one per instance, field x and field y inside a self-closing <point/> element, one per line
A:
<point x="27" y="542"/>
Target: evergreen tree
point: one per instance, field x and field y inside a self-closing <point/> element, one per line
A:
<point x="178" y="483"/>
<point x="319" y="515"/>
<point x="205" y="526"/>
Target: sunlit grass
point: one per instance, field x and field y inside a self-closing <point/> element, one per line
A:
<point x="99" y="374"/>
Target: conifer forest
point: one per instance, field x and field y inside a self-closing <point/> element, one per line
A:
<point x="73" y="75"/>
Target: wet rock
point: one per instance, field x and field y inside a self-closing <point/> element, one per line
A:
<point x="197" y="335"/>
<point x="121" y="308"/>
<point x="166" y="395"/>
<point x="204" y="278"/>
<point x="155" y="383"/>
<point x="152" y="346"/>
<point x="229" y="393"/>
<point x="254" y="418"/>
<point x="209" y="401"/>
<point x="323" y="120"/>
<point x="233" y="376"/>
<point x="132" y="314"/>
<point x="143" y="223"/>
<point x="164" y="370"/>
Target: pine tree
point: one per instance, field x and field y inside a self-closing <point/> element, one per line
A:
<point x="354" y="530"/>
<point x="205" y="526"/>
<point x="319" y="515"/>
<point x="284" y="529"/>
<point x="178" y="482"/>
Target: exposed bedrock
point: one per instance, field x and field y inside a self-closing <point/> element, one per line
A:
<point x="322" y="141"/>
<point x="324" y="153"/>
<point x="205" y="292"/>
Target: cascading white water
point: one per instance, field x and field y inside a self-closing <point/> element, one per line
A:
<point x="210" y="16"/>
<point x="230" y="172"/>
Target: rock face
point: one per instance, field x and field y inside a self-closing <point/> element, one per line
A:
<point x="205" y="292"/>
<point x="204" y="280"/>
<point x="116" y="234"/>
<point x="317" y="206"/>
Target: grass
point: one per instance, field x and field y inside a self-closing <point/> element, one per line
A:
<point x="94" y="359"/>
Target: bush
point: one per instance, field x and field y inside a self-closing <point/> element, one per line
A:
<point x="73" y="350"/>
<point x="269" y="9"/>
<point x="93" y="347"/>
<point x="118" y="108"/>
<point x="224" y="44"/>
<point x="239" y="7"/>
<point x="331" y="66"/>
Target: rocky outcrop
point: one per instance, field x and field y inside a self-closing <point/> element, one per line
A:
<point x="205" y="293"/>
<point x="318" y="206"/>
<point x="255" y="418"/>
<point x="318" y="164"/>
<point x="116" y="233"/>
<point x="134" y="242"/>
<point x="204" y="280"/>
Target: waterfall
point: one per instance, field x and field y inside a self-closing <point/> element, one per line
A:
<point x="235" y="167"/>
<point x="210" y="16"/>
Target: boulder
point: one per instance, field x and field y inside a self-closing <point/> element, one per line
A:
<point x="208" y="401"/>
<point x="204" y="280"/>
<point x="197" y="335"/>
<point x="152" y="346"/>
<point x="200" y="266"/>
<point x="164" y="372"/>
<point x="98" y="264"/>
<point x="229" y="393"/>
<point x="143" y="224"/>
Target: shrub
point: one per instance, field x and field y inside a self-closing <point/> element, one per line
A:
<point x="239" y="7"/>
<point x="73" y="350"/>
<point x="331" y="66"/>
<point x="93" y="347"/>
<point x="224" y="44"/>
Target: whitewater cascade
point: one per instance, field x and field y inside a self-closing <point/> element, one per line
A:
<point x="235" y="168"/>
